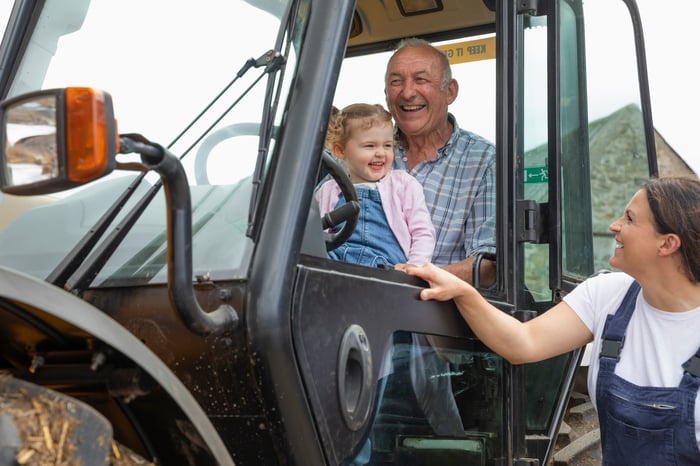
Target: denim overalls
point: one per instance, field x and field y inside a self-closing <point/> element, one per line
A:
<point x="372" y="243"/>
<point x="639" y="426"/>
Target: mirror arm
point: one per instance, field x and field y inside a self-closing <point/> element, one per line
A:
<point x="179" y="223"/>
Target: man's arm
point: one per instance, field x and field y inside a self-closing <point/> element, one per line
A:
<point x="480" y="229"/>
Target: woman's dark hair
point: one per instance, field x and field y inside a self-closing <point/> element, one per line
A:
<point x="675" y="205"/>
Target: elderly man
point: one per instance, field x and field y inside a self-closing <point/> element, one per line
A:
<point x="455" y="167"/>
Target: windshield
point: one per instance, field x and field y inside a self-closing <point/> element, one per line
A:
<point x="164" y="63"/>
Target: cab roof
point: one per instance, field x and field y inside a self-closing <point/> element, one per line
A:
<point x="379" y="25"/>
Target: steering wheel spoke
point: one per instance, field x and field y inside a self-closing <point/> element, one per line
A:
<point x="348" y="213"/>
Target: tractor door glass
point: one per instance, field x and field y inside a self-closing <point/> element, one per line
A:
<point x="542" y="380"/>
<point x="534" y="181"/>
<point x="603" y="148"/>
<point x="440" y="401"/>
<point x="604" y="159"/>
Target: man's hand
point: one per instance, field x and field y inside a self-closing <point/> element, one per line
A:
<point x="464" y="270"/>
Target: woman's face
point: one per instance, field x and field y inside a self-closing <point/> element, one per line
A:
<point x="636" y="240"/>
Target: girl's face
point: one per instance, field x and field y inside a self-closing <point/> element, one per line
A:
<point x="636" y="240"/>
<point x="368" y="152"/>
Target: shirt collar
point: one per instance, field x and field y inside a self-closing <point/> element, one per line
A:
<point x="453" y="137"/>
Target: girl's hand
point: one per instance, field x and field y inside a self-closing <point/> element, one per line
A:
<point x="443" y="285"/>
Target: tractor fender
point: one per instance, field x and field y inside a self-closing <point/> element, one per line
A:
<point x="24" y="289"/>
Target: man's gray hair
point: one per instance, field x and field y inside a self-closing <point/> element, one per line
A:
<point x="415" y="42"/>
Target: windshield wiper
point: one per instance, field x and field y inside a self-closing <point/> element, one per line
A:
<point x="269" y="110"/>
<point x="67" y="267"/>
<point x="146" y="263"/>
<point x="79" y="268"/>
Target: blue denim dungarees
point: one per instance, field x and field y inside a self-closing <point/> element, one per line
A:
<point x="372" y="243"/>
<point x="639" y="426"/>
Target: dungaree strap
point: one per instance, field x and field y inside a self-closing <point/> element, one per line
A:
<point x="692" y="366"/>
<point x="642" y="425"/>
<point x="616" y="325"/>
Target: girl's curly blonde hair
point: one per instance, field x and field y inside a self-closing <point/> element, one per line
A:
<point x="354" y="116"/>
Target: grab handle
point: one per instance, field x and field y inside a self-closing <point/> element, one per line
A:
<point x="354" y="377"/>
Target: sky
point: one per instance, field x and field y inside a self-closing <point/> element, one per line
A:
<point x="670" y="38"/>
<point x="670" y="35"/>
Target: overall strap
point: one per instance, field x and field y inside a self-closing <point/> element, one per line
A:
<point x="692" y="365"/>
<point x="613" y="338"/>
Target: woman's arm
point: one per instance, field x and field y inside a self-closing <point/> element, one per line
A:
<point x="555" y="332"/>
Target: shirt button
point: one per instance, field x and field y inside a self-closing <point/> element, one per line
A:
<point x="405" y="159"/>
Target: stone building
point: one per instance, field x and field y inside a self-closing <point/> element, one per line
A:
<point x="618" y="168"/>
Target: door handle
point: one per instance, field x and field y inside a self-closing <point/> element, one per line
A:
<point x="354" y="373"/>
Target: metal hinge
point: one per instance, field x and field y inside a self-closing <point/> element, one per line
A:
<point x="532" y="222"/>
<point x="532" y="7"/>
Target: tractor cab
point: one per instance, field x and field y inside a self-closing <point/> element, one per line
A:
<point x="173" y="151"/>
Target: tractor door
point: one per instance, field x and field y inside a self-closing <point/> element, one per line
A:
<point x="393" y="380"/>
<point x="388" y="378"/>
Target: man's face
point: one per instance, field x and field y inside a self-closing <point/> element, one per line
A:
<point x="413" y="93"/>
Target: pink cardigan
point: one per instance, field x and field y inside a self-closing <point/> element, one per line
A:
<point x="404" y="205"/>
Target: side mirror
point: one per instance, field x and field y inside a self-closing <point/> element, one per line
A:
<point x="56" y="139"/>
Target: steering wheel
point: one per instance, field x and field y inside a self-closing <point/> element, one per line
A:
<point x="348" y="212"/>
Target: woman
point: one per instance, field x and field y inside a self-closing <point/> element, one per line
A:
<point x="645" y="372"/>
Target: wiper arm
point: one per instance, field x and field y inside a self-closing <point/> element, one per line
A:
<point x="80" y="280"/>
<point x="60" y="274"/>
<point x="269" y="109"/>
<point x="250" y="63"/>
<point x="73" y="276"/>
<point x="271" y="60"/>
<point x="266" y="131"/>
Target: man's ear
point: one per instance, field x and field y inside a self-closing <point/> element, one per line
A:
<point x="671" y="244"/>
<point x="452" y="91"/>
<point x="338" y="151"/>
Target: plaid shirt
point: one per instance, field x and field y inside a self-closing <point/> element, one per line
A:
<point x="460" y="191"/>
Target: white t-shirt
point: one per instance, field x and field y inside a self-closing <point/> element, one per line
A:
<point x="657" y="343"/>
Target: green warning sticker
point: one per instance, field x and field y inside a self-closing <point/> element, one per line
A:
<point x="536" y="175"/>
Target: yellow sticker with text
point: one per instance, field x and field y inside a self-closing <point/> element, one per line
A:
<point x="471" y="50"/>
